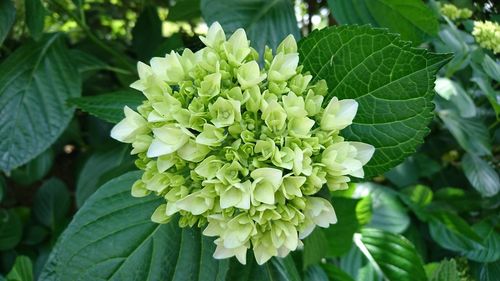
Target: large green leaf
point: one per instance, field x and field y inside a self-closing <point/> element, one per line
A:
<point x="35" y="82"/>
<point x="277" y="269"/>
<point x="265" y="22"/>
<point x="109" y="107"/>
<point x="102" y="166"/>
<point x="7" y="17"/>
<point x="339" y="235"/>
<point x="112" y="238"/>
<point x="411" y="18"/>
<point x="481" y="175"/>
<point x="391" y="254"/>
<point x="392" y="82"/>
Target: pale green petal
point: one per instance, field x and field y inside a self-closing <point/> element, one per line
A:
<point x="192" y="151"/>
<point x="127" y="129"/>
<point x="159" y="215"/>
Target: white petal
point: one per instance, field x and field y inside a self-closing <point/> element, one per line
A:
<point x="364" y="151"/>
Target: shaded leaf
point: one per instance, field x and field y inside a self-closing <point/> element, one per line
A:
<point x="392" y="254"/>
<point x="315" y="273"/>
<point x="35" y="17"/>
<point x="446" y="271"/>
<point x="481" y="175"/>
<point x="392" y="82"/>
<point x="52" y="202"/>
<point x="112" y="238"/>
<point x="316" y="247"/>
<point x="110" y="106"/>
<point x="184" y="10"/>
<point x="265" y="22"/>
<point x="470" y="133"/>
<point x="146" y="34"/>
<point x="387" y="211"/>
<point x="339" y="235"/>
<point x="11" y="229"/>
<point x="7" y="17"/>
<point x="35" y="82"/>
<point x="34" y="170"/>
<point x="276" y="269"/>
<point x="99" y="169"/>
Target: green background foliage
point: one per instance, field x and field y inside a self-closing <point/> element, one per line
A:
<point x="426" y="210"/>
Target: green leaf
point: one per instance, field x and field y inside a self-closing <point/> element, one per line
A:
<point x="457" y="242"/>
<point x="110" y="106"/>
<point x="265" y="22"/>
<point x="3" y="187"/>
<point x="420" y="195"/>
<point x="481" y="175"/>
<point x="404" y="174"/>
<point x="470" y="133"/>
<point x="411" y="18"/>
<point x="86" y="62"/>
<point x="335" y="273"/>
<point x="391" y="254"/>
<point x="392" y="82"/>
<point x="52" y="202"/>
<point x="35" y="17"/>
<point x="491" y="67"/>
<point x="364" y="210"/>
<point x="184" y="10"/>
<point x="456" y="224"/>
<point x="146" y="34"/>
<point x="112" y="238"/>
<point x="35" y="82"/>
<point x="22" y="270"/>
<point x="490" y="251"/>
<point x="11" y="229"/>
<point x="7" y="17"/>
<point x="387" y="211"/>
<point x="315" y="248"/>
<point x="455" y="97"/>
<point x="34" y="170"/>
<point x="339" y="235"/>
<point x="277" y="269"/>
<point x="316" y="273"/>
<point x="446" y="271"/>
<point x="101" y="167"/>
<point x="487" y="271"/>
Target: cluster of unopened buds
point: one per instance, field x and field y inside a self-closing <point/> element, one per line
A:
<point x="238" y="149"/>
<point x="454" y="13"/>
<point x="487" y="35"/>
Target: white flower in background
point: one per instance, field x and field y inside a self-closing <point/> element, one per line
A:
<point x="240" y="150"/>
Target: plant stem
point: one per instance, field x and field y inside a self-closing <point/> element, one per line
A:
<point x="119" y="57"/>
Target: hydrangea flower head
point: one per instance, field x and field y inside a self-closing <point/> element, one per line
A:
<point x="487" y="35"/>
<point x="454" y="13"/>
<point x="238" y="149"/>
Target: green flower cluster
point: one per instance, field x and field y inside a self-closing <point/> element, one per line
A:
<point x="453" y="13"/>
<point x="487" y="35"/>
<point x="240" y="149"/>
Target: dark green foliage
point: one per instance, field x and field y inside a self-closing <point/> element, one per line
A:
<point x="427" y="208"/>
